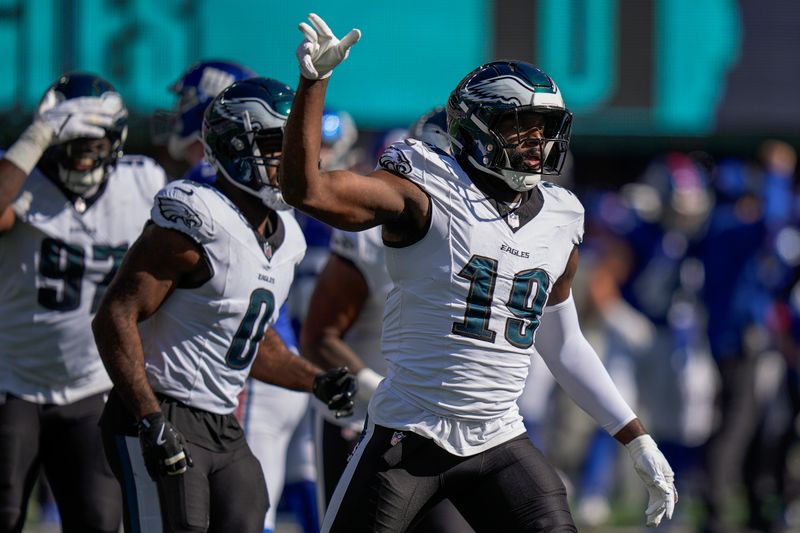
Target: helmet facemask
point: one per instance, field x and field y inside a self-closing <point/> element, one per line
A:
<point x="522" y="145"/>
<point x="82" y="163"/>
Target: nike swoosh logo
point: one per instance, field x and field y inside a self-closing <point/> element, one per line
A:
<point x="160" y="439"/>
<point x="189" y="193"/>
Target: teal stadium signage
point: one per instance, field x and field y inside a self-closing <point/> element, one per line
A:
<point x="626" y="67"/>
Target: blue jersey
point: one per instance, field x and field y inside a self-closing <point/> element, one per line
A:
<point x="202" y="172"/>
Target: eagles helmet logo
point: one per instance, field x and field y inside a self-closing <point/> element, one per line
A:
<point x="175" y="210"/>
<point x="513" y="90"/>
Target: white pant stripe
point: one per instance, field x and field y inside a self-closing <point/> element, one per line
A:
<point x="146" y="491"/>
<point x="347" y="475"/>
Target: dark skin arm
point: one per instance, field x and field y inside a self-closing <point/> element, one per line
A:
<point x="157" y="263"/>
<point x="338" y="299"/>
<point x="343" y="199"/>
<point x="560" y="292"/>
<point x="276" y="364"/>
<point x="11" y="181"/>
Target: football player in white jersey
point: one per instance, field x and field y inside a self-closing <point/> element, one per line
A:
<point x="477" y="246"/>
<point x="343" y="328"/>
<point x="188" y="319"/>
<point x="70" y="205"/>
<point x="269" y="415"/>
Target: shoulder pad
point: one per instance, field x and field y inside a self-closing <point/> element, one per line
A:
<point x="414" y="159"/>
<point x="182" y="206"/>
<point x="566" y="204"/>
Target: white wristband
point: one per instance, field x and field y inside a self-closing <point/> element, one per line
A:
<point x="368" y="381"/>
<point x="30" y="146"/>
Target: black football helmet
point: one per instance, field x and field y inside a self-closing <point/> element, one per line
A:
<point x="511" y="92"/>
<point x="242" y="132"/>
<point x="66" y="156"/>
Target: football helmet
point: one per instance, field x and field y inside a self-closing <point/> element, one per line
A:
<point x="432" y="129"/>
<point x="490" y="110"/>
<point x="83" y="164"/>
<point x="243" y="135"/>
<point x="339" y="136"/>
<point x="194" y="90"/>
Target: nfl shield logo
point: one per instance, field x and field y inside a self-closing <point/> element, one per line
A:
<point x="268" y="250"/>
<point x="397" y="437"/>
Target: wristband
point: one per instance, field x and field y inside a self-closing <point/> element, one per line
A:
<point x="30" y="146"/>
<point x="368" y="381"/>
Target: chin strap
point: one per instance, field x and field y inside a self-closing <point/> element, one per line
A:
<point x="518" y="181"/>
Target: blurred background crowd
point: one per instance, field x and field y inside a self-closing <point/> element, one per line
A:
<point x="684" y="154"/>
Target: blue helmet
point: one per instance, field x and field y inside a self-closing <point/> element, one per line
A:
<point x="60" y="159"/>
<point x="242" y="132"/>
<point x="432" y="129"/>
<point x="195" y="89"/>
<point x="512" y="92"/>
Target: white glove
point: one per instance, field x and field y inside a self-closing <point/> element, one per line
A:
<point x="321" y="51"/>
<point x="653" y="469"/>
<point x="71" y="119"/>
<point x="82" y="117"/>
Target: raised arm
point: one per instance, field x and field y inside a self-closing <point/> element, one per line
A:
<point x="342" y="199"/>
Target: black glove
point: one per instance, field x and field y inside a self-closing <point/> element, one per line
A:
<point x="336" y="388"/>
<point x="163" y="447"/>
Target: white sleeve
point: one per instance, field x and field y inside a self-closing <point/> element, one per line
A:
<point x="578" y="369"/>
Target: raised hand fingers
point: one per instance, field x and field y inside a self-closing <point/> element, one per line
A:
<point x="320" y="25"/>
<point x="308" y="31"/>
<point x="350" y="39"/>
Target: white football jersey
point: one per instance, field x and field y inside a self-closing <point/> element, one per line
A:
<point x="366" y="251"/>
<point x="460" y="321"/>
<point x="55" y="264"/>
<point x="201" y="342"/>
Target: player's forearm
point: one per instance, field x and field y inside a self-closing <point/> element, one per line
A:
<point x="277" y="365"/>
<point x="299" y="171"/>
<point x="120" y="347"/>
<point x="327" y="350"/>
<point x="12" y="178"/>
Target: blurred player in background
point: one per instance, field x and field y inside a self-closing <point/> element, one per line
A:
<point x="444" y="422"/>
<point x="646" y="285"/>
<point x="182" y="326"/>
<point x="269" y="415"/>
<point x="343" y="327"/>
<point x="746" y="249"/>
<point x="70" y="205"/>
